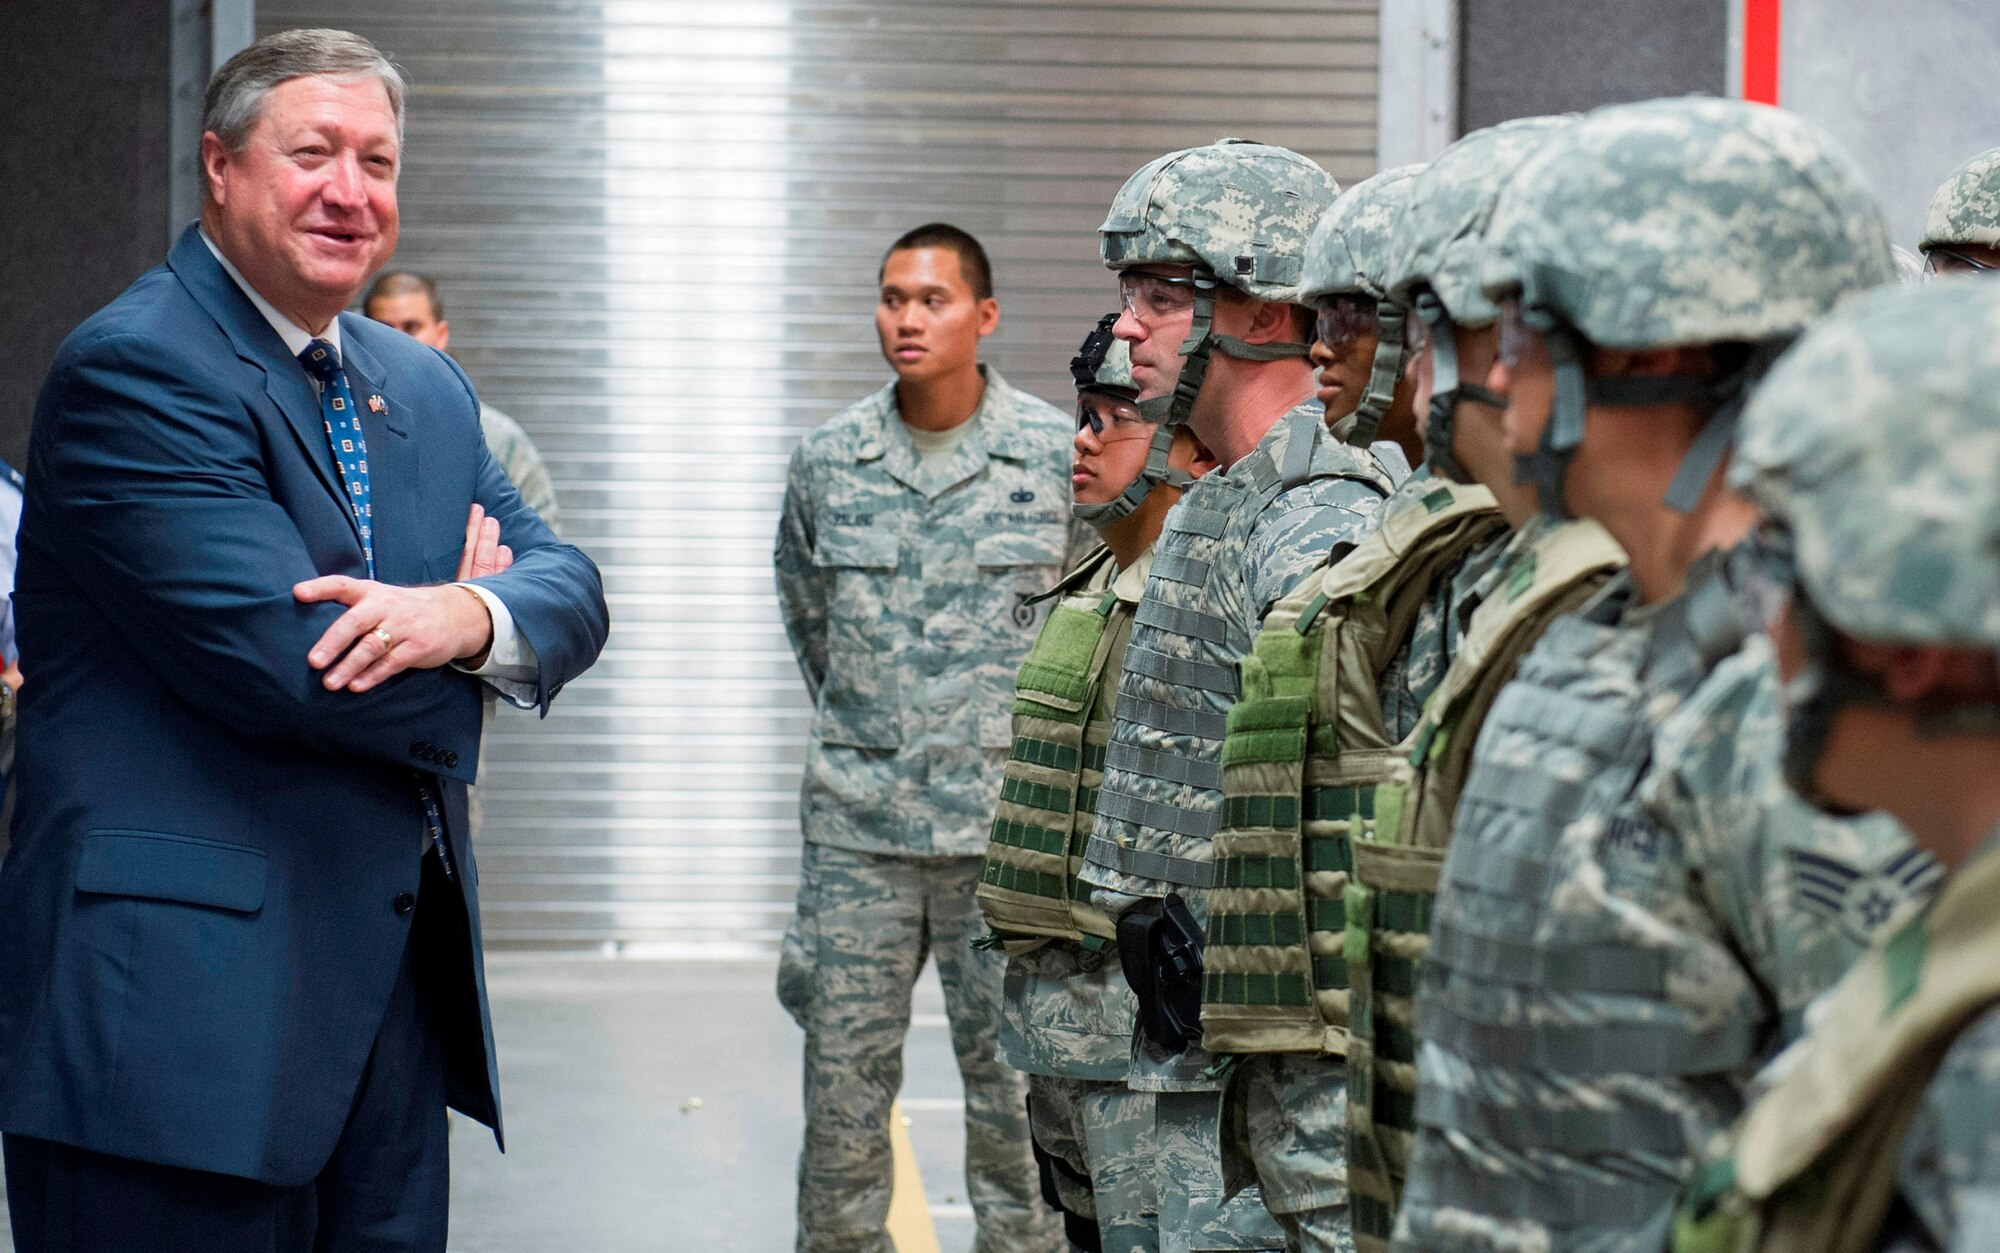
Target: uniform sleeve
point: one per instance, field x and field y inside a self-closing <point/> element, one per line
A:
<point x="1292" y="538"/>
<point x="802" y="593"/>
<point x="1799" y="893"/>
<point x="1949" y="1171"/>
<point x="530" y="476"/>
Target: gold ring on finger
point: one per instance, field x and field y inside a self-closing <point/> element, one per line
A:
<point x="388" y="641"/>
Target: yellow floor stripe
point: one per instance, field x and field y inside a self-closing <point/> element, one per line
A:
<point x="909" y="1213"/>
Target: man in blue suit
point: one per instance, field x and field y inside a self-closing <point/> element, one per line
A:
<point x="240" y="971"/>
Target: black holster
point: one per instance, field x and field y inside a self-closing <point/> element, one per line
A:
<point x="1159" y="946"/>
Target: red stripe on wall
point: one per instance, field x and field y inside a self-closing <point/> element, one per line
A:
<point x="1761" y="21"/>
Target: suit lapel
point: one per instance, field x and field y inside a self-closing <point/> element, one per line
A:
<point x="394" y="469"/>
<point x="285" y="380"/>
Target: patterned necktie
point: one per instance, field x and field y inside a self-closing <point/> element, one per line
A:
<point x="343" y="432"/>
<point x="350" y="453"/>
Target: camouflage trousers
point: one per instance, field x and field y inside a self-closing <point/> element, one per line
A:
<point x="864" y="925"/>
<point x="1198" y="1213"/>
<point x="1287" y="1125"/>
<point x="1101" y="1135"/>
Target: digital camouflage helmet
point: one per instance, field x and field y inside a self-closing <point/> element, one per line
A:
<point x="1966" y="207"/>
<point x="1874" y="446"/>
<point x="1103" y="366"/>
<point x="1237" y="212"/>
<point x="1348" y="254"/>
<point x="1677" y="223"/>
<point x="1435" y="271"/>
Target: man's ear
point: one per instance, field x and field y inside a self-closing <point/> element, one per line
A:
<point x="1270" y="323"/>
<point x="1197" y="459"/>
<point x="1914" y="672"/>
<point x="215" y="166"/>
<point x="444" y="335"/>
<point x="989" y="316"/>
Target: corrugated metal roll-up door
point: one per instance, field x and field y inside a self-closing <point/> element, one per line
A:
<point x="656" y="224"/>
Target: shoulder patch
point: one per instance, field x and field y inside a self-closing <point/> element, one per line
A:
<point x="1861" y="899"/>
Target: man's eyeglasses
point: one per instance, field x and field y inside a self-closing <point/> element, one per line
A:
<point x="1343" y="320"/>
<point x="1950" y="261"/>
<point x="1517" y="338"/>
<point x="1155" y="297"/>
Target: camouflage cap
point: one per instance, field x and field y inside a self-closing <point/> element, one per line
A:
<point x="1966" y="206"/>
<point x="1351" y="248"/>
<point x="1441" y="240"/>
<point x="1240" y="209"/>
<point x="1686" y="221"/>
<point x="1876" y="441"/>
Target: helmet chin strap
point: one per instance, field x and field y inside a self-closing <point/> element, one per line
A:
<point x="1382" y="376"/>
<point x="1722" y="396"/>
<point x="1197" y="349"/>
<point x="1447" y="389"/>
<point x="1155" y="472"/>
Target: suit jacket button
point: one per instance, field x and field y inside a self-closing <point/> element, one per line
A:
<point x="417" y="748"/>
<point x="451" y="761"/>
<point x="405" y="902"/>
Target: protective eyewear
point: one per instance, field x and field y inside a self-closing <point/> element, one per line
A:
<point x="1111" y="419"/>
<point x="1518" y="340"/>
<point x="1954" y="262"/>
<point x="1416" y="337"/>
<point x="1154" y="297"/>
<point x="1343" y="320"/>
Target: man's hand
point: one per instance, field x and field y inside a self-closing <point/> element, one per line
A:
<point x="484" y="553"/>
<point x="387" y="629"/>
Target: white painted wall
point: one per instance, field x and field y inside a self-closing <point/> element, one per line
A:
<point x="1909" y="87"/>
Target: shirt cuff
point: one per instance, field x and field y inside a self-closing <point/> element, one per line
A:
<point x="511" y="667"/>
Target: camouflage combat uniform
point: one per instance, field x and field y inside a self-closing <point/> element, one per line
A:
<point x="1289" y="1088"/>
<point x="1066" y="1016"/>
<point x="1626" y="923"/>
<point x="1240" y="537"/>
<point x="1881" y="1130"/>
<point x="906" y="593"/>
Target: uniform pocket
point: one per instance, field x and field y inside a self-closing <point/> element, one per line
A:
<point x="858" y="704"/>
<point x="1015" y="567"/>
<point x="798" y="955"/>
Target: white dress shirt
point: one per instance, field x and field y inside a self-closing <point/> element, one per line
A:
<point x="511" y="667"/>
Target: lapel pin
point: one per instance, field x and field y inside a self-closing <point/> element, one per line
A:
<point x="375" y="405"/>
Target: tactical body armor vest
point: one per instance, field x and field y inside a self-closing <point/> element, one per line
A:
<point x="1305" y="750"/>
<point x="1814" y="1165"/>
<point x="1564" y="958"/>
<point x="1062" y="722"/>
<point x="1163" y="774"/>
<point x="1547" y="572"/>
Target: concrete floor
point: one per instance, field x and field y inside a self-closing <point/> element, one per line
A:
<point x="602" y="1065"/>
<point x="653" y="1107"/>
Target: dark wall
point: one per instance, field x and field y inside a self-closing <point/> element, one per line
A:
<point x="85" y="88"/>
<point x="1526" y="57"/>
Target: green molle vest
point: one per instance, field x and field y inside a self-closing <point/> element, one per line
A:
<point x="1048" y="797"/>
<point x="1305" y="750"/>
<point x="1813" y="1166"/>
<point x="1398" y="857"/>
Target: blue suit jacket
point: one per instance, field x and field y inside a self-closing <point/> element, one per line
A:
<point x="198" y="931"/>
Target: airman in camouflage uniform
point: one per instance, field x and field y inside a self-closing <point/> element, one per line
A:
<point x="907" y="587"/>
<point x="1881" y="1130"/>
<point x="1632" y="912"/>
<point x="1289" y="1088"/>
<point x="1208" y="243"/>
<point x="1390" y="617"/>
<point x="1962" y="228"/>
<point x="1066" y="1012"/>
